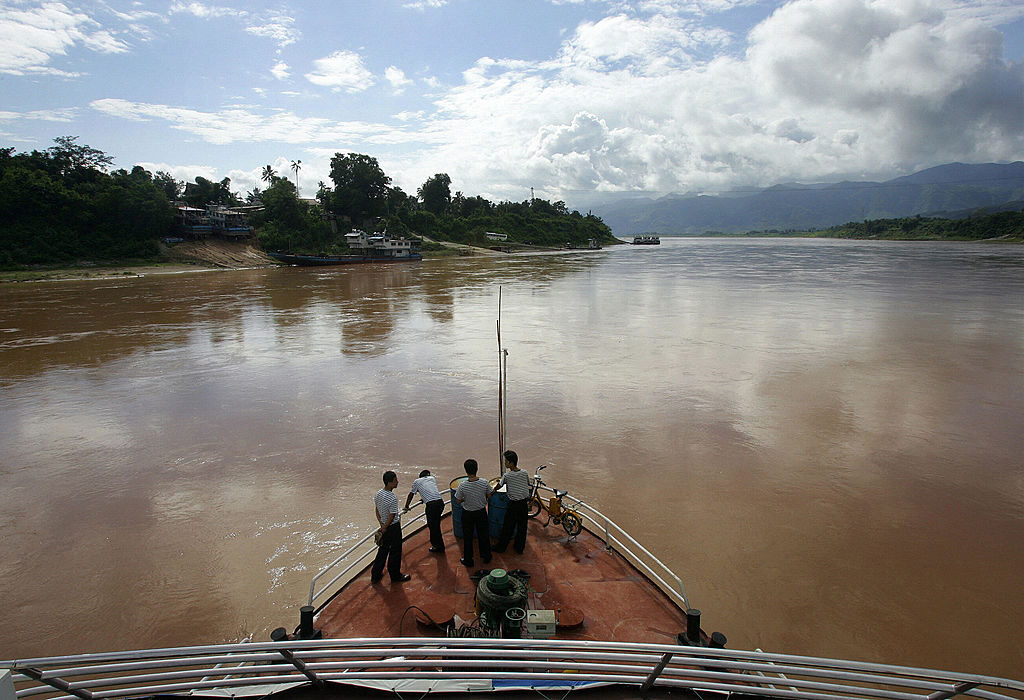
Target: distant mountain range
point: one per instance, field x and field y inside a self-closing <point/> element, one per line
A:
<point x="954" y="191"/>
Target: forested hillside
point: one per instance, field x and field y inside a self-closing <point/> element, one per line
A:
<point x="950" y="191"/>
<point x="62" y="206"/>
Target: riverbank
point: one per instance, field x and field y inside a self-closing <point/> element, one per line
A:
<point x="188" y="256"/>
<point x="212" y="255"/>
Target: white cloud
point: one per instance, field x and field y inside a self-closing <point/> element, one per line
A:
<point x="342" y="70"/>
<point x="425" y="4"/>
<point x="280" y="70"/>
<point x="231" y="125"/>
<point x="826" y="87"/>
<point x="46" y="115"/>
<point x="278" y="27"/>
<point x="397" y="78"/>
<point x="31" y="38"/>
<point x="186" y="173"/>
<point x="204" y="11"/>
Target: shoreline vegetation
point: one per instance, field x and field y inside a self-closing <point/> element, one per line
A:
<point x="64" y="216"/>
<point x="61" y="206"/>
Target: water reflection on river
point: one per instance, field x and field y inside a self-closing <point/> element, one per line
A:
<point x="822" y="438"/>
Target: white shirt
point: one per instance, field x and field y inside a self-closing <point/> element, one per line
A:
<point x="426" y="487"/>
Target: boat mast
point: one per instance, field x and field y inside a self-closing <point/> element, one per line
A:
<point x="502" y="372"/>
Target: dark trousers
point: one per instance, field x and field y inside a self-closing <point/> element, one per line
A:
<point x="434" y="510"/>
<point x="515" y="520"/>
<point x="475" y="526"/>
<point x="390" y="550"/>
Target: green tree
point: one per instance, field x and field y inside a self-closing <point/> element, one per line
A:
<point x="436" y="193"/>
<point x="360" y="188"/>
<point x="68" y="156"/>
<point x="171" y="187"/>
<point x="203" y="192"/>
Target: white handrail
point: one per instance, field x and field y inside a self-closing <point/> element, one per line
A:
<point x="525" y="662"/>
<point x="626" y="546"/>
<point x="315" y="594"/>
<point x="624" y="541"/>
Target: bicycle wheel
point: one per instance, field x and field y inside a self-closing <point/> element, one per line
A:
<point x="534" y="508"/>
<point x="572" y="523"/>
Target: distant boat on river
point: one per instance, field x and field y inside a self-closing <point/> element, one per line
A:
<point x="377" y="247"/>
<point x="646" y="240"/>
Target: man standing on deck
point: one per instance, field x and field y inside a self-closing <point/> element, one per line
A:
<point x="389" y="548"/>
<point x="517" y="488"/>
<point x="433" y="504"/>
<point x="472" y="495"/>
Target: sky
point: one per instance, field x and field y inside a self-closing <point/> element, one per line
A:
<point x="573" y="98"/>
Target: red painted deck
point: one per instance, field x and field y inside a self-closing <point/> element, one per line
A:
<point x="580" y="578"/>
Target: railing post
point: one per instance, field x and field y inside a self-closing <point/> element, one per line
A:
<point x="280" y="635"/>
<point x="656" y="672"/>
<point x="58" y="683"/>
<point x="7" y="685"/>
<point x="957" y="689"/>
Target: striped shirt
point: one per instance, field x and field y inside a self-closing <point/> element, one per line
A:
<point x="387" y="503"/>
<point x="518" y="483"/>
<point x="426" y="487"/>
<point x="473" y="494"/>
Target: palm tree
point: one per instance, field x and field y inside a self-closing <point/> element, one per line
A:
<point x="296" y="166"/>
<point x="269" y="174"/>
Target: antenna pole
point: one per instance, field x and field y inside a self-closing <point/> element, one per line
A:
<point x="501" y="393"/>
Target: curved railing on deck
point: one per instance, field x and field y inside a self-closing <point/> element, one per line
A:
<point x="369" y="551"/>
<point x="462" y="664"/>
<point x="614" y="536"/>
<point x="622" y="542"/>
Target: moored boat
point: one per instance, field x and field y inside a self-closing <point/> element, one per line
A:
<point x="369" y="248"/>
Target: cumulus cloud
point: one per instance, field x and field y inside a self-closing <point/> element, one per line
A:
<point x="280" y="70"/>
<point x="824" y="88"/>
<point x="30" y="38"/>
<point x="342" y="70"/>
<point x="397" y="78"/>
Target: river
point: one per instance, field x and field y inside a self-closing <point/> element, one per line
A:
<point x="822" y="438"/>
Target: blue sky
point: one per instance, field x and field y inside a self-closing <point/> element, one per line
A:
<point x="571" y="97"/>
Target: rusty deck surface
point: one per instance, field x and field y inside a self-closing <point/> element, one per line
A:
<point x="600" y="595"/>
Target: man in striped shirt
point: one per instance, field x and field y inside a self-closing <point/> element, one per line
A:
<point x="433" y="504"/>
<point x="517" y="488"/>
<point x="472" y="495"/>
<point x="389" y="549"/>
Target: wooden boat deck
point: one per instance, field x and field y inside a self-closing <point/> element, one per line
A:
<point x="597" y="593"/>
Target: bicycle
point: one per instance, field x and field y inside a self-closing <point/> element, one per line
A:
<point x="558" y="513"/>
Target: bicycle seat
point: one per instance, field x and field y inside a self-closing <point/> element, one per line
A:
<point x="559" y="493"/>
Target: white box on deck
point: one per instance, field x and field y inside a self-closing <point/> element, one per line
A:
<point x="540" y="624"/>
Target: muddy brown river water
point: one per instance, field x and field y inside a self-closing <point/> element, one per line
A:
<point x="823" y="439"/>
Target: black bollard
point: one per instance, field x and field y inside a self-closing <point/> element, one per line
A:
<point x="693" y="626"/>
<point x="718" y="640"/>
<point x="279" y="635"/>
<point x="306" y="630"/>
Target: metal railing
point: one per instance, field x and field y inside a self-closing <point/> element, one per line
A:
<point x="614" y="536"/>
<point x="462" y="664"/>
<point x="622" y="542"/>
<point x="368" y="551"/>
